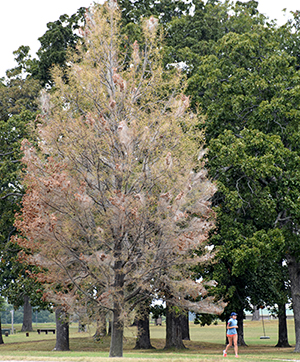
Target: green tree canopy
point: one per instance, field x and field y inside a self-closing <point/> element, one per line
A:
<point x="248" y="87"/>
<point x="18" y="90"/>
<point x="61" y="35"/>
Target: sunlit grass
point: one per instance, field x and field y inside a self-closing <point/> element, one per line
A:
<point x="206" y="345"/>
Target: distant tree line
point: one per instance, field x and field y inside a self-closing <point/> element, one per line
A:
<point x="38" y="316"/>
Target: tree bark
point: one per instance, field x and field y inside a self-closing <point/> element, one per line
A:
<point x="109" y="328"/>
<point x="143" y="335"/>
<point x="1" y="338"/>
<point x="282" y="327"/>
<point x="240" y="318"/>
<point x="185" y="327"/>
<point x="62" y="330"/>
<point x="27" y="315"/>
<point x="255" y="315"/>
<point x="294" y="273"/>
<point x="116" y="344"/>
<point x="173" y="329"/>
<point x="135" y="322"/>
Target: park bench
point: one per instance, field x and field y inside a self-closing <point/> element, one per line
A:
<point x="46" y="330"/>
<point x="6" y="331"/>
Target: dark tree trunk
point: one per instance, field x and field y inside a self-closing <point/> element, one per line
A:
<point x="109" y="328"/>
<point x="143" y="335"/>
<point x="81" y="326"/>
<point x="135" y="322"/>
<point x="185" y="327"/>
<point x="282" y="327"/>
<point x="62" y="330"/>
<point x="116" y="345"/>
<point x="27" y="315"/>
<point x="294" y="273"/>
<point x="173" y="329"/>
<point x="255" y="315"/>
<point x="1" y="338"/>
<point x="240" y="318"/>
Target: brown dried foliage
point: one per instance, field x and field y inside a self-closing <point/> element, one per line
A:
<point x="113" y="209"/>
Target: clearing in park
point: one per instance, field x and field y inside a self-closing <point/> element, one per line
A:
<point x="207" y="344"/>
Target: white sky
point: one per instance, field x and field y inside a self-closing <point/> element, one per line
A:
<point x="24" y="21"/>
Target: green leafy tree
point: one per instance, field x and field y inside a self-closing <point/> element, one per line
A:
<point x="12" y="132"/>
<point x="193" y="35"/>
<point x="18" y="105"/>
<point x="18" y="90"/>
<point x="248" y="88"/>
<point x="250" y="248"/>
<point x="61" y="35"/>
<point x="18" y="94"/>
<point x="15" y="284"/>
<point x="165" y="10"/>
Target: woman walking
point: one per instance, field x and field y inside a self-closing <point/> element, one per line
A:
<point x="232" y="334"/>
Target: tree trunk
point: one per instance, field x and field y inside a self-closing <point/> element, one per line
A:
<point x="135" y="322"/>
<point x="282" y="327"/>
<point x="116" y="345"/>
<point x="81" y="326"/>
<point x="294" y="273"/>
<point x="1" y="338"/>
<point x="255" y="315"/>
<point x="185" y="327"/>
<point x="173" y="329"/>
<point x="62" y="330"/>
<point x="143" y="336"/>
<point x="27" y="315"/>
<point x="109" y="328"/>
<point x="240" y="318"/>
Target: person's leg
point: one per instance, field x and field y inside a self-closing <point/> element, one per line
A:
<point x="235" y="340"/>
<point x="229" y="343"/>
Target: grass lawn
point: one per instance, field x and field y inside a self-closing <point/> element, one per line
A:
<point x="206" y="344"/>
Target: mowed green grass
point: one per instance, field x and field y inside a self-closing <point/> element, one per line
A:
<point x="206" y="344"/>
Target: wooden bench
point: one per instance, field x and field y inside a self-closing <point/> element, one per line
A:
<point x="46" y="330"/>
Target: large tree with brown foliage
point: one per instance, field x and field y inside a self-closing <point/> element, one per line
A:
<point x="117" y="198"/>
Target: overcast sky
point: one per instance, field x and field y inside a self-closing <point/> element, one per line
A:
<point x="24" y="21"/>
